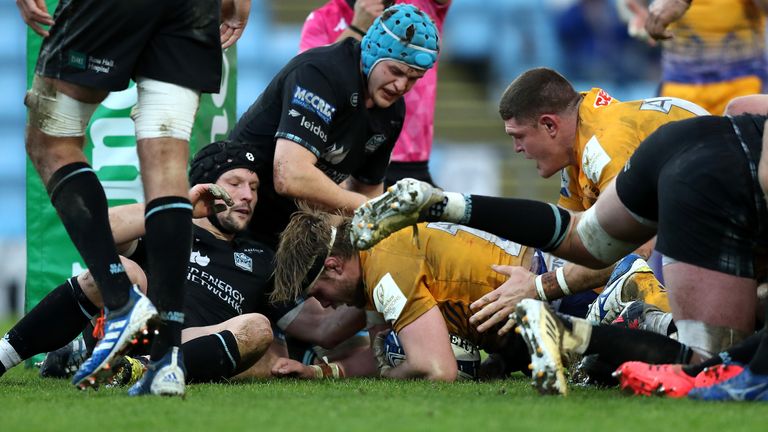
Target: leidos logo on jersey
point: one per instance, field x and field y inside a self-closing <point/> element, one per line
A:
<point x="305" y="98"/>
<point x="315" y="129"/>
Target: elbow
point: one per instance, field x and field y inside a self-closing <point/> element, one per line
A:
<point x="284" y="180"/>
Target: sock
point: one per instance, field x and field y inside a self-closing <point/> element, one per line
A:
<point x="53" y="323"/>
<point x="454" y="207"/>
<point x="742" y="352"/>
<point x="759" y="363"/>
<point x="80" y="201"/>
<point x="212" y="357"/>
<point x="617" y="345"/>
<point x="168" y="222"/>
<point x="527" y="222"/>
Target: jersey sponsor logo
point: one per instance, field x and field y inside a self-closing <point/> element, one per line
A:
<point x="293" y="113"/>
<point x="253" y="250"/>
<point x="374" y="143"/>
<point x="218" y="287"/>
<point x="565" y="183"/>
<point x="602" y="99"/>
<point x="307" y="99"/>
<point x="76" y="60"/>
<point x="594" y="160"/>
<point x="243" y="261"/>
<point x="336" y="154"/>
<point x="315" y="129"/>
<point x="198" y="259"/>
<point x="388" y="299"/>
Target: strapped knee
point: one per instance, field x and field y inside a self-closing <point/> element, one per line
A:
<point x="598" y="242"/>
<point x="164" y="110"/>
<point x="55" y="113"/>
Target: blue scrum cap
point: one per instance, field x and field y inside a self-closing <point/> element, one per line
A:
<point x="402" y="33"/>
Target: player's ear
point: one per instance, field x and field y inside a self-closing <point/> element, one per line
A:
<point x="334" y="264"/>
<point x="549" y="123"/>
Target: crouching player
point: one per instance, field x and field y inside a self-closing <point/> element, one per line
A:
<point x="421" y="290"/>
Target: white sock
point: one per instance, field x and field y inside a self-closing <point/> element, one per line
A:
<point x="8" y="355"/>
<point x="457" y="209"/>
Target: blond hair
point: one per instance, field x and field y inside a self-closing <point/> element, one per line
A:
<point x="303" y="244"/>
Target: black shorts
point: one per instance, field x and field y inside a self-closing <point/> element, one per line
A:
<point x="104" y="43"/>
<point x="695" y="178"/>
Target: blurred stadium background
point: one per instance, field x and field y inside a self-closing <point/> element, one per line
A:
<point x="486" y="43"/>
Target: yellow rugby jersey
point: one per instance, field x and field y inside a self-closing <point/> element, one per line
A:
<point x="716" y="40"/>
<point x="608" y="133"/>
<point x="449" y="266"/>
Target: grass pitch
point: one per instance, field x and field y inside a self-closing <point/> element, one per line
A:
<point x="31" y="403"/>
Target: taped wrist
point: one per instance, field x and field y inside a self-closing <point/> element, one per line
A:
<point x="528" y="222"/>
<point x="327" y="370"/>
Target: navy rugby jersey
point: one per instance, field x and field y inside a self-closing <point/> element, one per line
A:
<point x="224" y="279"/>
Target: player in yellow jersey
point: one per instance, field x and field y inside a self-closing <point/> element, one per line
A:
<point x="587" y="137"/>
<point x="422" y="289"/>
<point x="712" y="50"/>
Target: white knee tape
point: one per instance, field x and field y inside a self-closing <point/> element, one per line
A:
<point x="164" y="110"/>
<point x="55" y="113"/>
<point x="707" y="340"/>
<point x="598" y="242"/>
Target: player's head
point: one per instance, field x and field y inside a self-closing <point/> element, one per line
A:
<point x="399" y="47"/>
<point x="539" y="110"/>
<point x="315" y="258"/>
<point x="232" y="166"/>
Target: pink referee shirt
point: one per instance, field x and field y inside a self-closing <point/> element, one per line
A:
<point x="324" y="25"/>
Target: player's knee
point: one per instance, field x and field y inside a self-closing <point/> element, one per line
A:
<point x="602" y="246"/>
<point x="164" y="110"/>
<point x="253" y="332"/>
<point x="54" y="113"/>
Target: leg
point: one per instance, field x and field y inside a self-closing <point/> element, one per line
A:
<point x="209" y="357"/>
<point x="712" y="310"/>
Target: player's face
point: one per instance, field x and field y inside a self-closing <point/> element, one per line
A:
<point x="389" y="81"/>
<point x="333" y="289"/>
<point x="241" y="185"/>
<point x="536" y="142"/>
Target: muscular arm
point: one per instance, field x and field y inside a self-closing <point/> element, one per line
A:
<point x="428" y="350"/>
<point x="296" y="176"/>
<point x="326" y="327"/>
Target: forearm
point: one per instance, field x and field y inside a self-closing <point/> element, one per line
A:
<point x="313" y="186"/>
<point x="572" y="279"/>
<point x="127" y="223"/>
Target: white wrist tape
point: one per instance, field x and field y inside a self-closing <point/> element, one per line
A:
<point x="561" y="281"/>
<point x="540" y="288"/>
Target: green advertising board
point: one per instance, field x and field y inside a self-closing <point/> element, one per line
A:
<point x="111" y="148"/>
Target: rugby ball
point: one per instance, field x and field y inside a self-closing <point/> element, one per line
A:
<point x="466" y="353"/>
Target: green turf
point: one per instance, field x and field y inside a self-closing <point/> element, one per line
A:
<point x="29" y="403"/>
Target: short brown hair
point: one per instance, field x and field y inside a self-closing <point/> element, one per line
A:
<point x="302" y="249"/>
<point x="536" y="92"/>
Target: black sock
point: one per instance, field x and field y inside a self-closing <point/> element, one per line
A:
<point x="522" y="221"/>
<point x="54" y="322"/>
<point x="169" y="242"/>
<point x="616" y="345"/>
<point x="80" y="201"/>
<point x="759" y="362"/>
<point x="212" y="357"/>
<point x="742" y="352"/>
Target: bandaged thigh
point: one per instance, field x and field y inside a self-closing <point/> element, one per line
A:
<point x="598" y="242"/>
<point x="55" y="113"/>
<point x="164" y="110"/>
